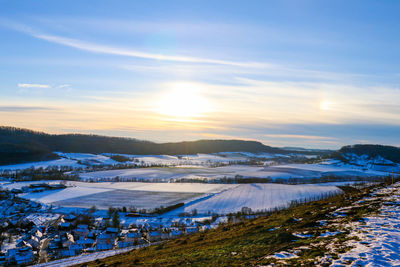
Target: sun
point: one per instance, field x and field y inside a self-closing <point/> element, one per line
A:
<point x="325" y="105"/>
<point x="183" y="101"/>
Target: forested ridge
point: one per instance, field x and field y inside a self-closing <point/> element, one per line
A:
<point x="22" y="145"/>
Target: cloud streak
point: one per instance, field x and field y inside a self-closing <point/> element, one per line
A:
<point x="33" y="85"/>
<point x="113" y="50"/>
<point x="23" y="108"/>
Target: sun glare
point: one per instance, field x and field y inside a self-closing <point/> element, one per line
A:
<point x="325" y="105"/>
<point x="183" y="101"/>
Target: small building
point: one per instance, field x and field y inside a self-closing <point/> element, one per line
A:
<point x="124" y="244"/>
<point x="20" y="256"/>
<point x="34" y="242"/>
<point x="104" y="246"/>
<point x="69" y="240"/>
<point x="153" y="236"/>
<point x="65" y="225"/>
<point x="105" y="238"/>
<point x="192" y="230"/>
<point x="112" y="230"/>
<point x="82" y="231"/>
<point x="132" y="237"/>
<point x="66" y="253"/>
<point x="86" y="243"/>
<point x="175" y="233"/>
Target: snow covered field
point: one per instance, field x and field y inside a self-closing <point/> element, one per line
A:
<point x="42" y="164"/>
<point x="128" y="198"/>
<point x="258" y="197"/>
<point x="202" y="166"/>
<point x="205" y="198"/>
<point x="77" y="160"/>
<point x="104" y="195"/>
<point x="197" y="159"/>
<point x="88" y="159"/>
<point x="247" y="171"/>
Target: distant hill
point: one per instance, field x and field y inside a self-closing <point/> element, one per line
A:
<point x="388" y="152"/>
<point x="21" y="145"/>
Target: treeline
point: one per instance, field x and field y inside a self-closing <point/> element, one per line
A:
<point x="21" y="145"/>
<point x="49" y="173"/>
<point x="388" y="152"/>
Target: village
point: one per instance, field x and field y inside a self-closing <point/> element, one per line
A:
<point x="36" y="233"/>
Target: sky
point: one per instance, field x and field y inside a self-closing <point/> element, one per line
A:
<point x="315" y="74"/>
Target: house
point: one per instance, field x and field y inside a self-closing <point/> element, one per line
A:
<point x="2" y="260"/>
<point x="124" y="244"/>
<point x="55" y="244"/>
<point x="175" y="233"/>
<point x="112" y="230"/>
<point x="20" y="256"/>
<point x="37" y="233"/>
<point x="69" y="217"/>
<point x="164" y="235"/>
<point x="68" y="240"/>
<point x="92" y="234"/>
<point x="133" y="237"/>
<point x="65" y="225"/>
<point x="191" y="230"/>
<point x="82" y="231"/>
<point x="104" y="246"/>
<point x="105" y="238"/>
<point x="77" y="247"/>
<point x="66" y="253"/>
<point x="86" y="243"/>
<point x="34" y="242"/>
<point x="153" y="236"/>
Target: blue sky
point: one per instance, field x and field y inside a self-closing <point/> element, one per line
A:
<point x="287" y="73"/>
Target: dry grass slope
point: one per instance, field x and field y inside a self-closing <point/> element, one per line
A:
<point x="247" y="242"/>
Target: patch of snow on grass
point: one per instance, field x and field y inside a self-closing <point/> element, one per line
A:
<point x="379" y="237"/>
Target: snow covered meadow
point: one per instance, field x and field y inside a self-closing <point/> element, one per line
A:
<point x="286" y="171"/>
<point x="205" y="198"/>
<point x="211" y="166"/>
<point x="160" y="186"/>
<point x="258" y="197"/>
<point x="119" y="187"/>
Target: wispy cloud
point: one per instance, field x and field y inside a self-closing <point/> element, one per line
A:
<point x="24" y="108"/>
<point x="104" y="49"/>
<point x="33" y="85"/>
<point x="63" y="86"/>
<point x="187" y="65"/>
<point x="119" y="51"/>
<point x="298" y="136"/>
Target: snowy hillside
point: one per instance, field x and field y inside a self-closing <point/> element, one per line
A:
<point x="258" y="197"/>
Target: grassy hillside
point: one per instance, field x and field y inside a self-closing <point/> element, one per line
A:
<point x="248" y="242"/>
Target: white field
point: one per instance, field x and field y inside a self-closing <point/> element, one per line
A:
<point x="257" y="197"/>
<point x="281" y="171"/>
<point x="89" y="159"/>
<point x="197" y="159"/>
<point x="42" y="164"/>
<point x="71" y="159"/>
<point x="199" y="166"/>
<point x="216" y="198"/>
<point x="140" y="195"/>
